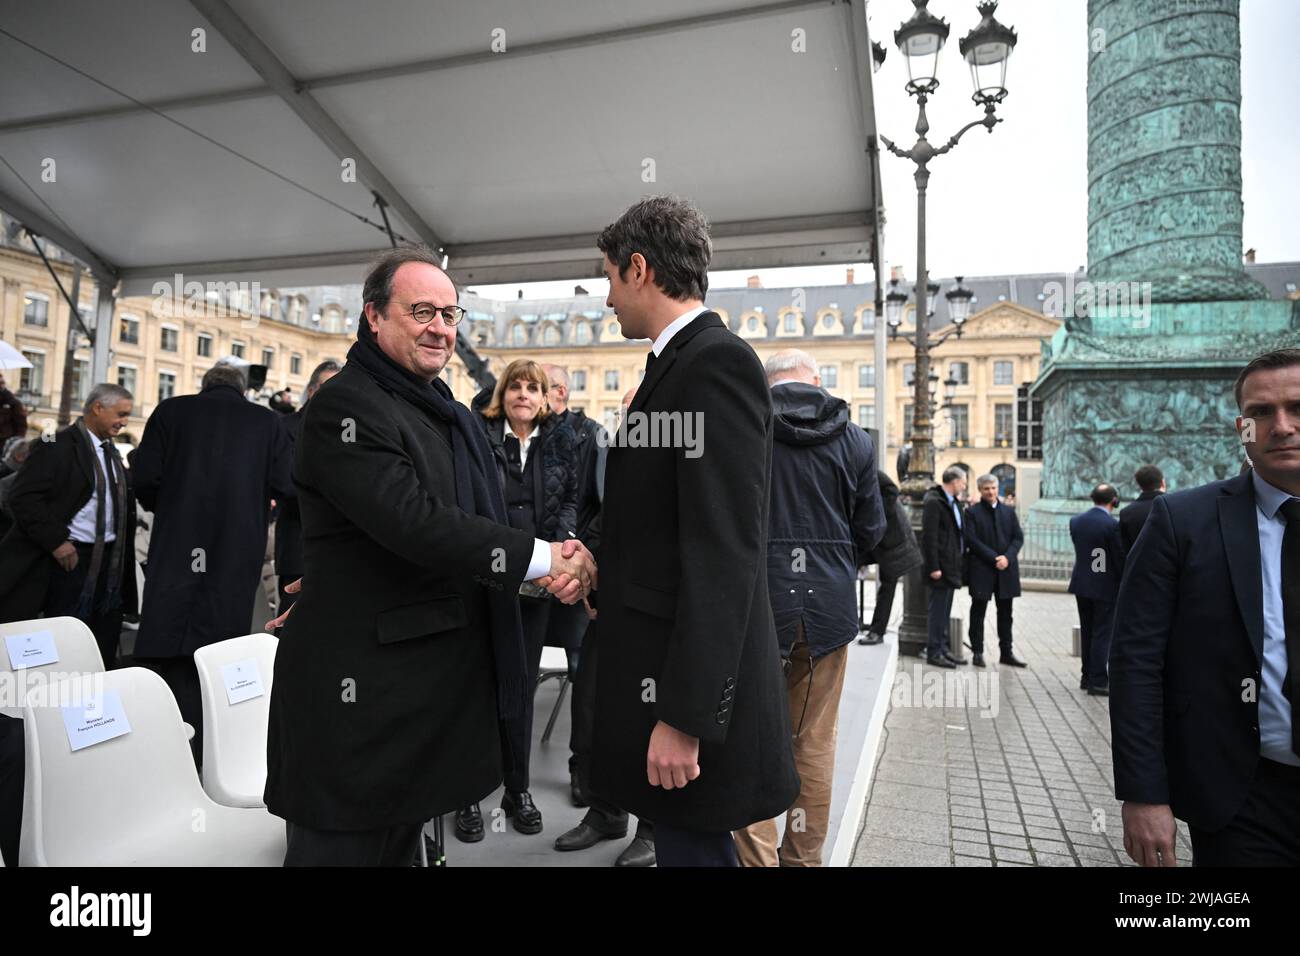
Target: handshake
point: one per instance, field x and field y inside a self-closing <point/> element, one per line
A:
<point x="573" y="571"/>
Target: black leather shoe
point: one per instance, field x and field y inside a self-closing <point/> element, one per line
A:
<point x="469" y="824"/>
<point x="520" y="806"/>
<point x="1099" y="691"/>
<point x="939" y="661"/>
<point x="871" y="637"/>
<point x="575" y="791"/>
<point x="640" y="852"/>
<point x="1009" y="658"/>
<point x="584" y="837"/>
<point x="954" y="658"/>
<point x="977" y="658"/>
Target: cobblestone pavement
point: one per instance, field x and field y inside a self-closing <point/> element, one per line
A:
<point x="1001" y="766"/>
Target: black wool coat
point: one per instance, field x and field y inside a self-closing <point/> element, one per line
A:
<point x="384" y="705"/>
<point x="55" y="483"/>
<point x="688" y="636"/>
<point x="555" y="484"/>
<point x="941" y="544"/>
<point x="208" y="466"/>
<point x="991" y="532"/>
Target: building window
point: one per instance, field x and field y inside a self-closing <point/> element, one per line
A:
<point x="866" y="376"/>
<point x="867" y="416"/>
<point x="518" y="336"/>
<point x="166" y="385"/>
<point x="578" y="381"/>
<point x="128" y="330"/>
<point x="828" y="320"/>
<point x="237" y="349"/>
<point x="126" y="377"/>
<point x="909" y="374"/>
<point x="830" y="376"/>
<point x="907" y="422"/>
<point x="36" y="310"/>
<point x="868" y="320"/>
<point x="551" y="335"/>
<point x="582" y="334"/>
<point x="295" y="364"/>
<point x="32" y="379"/>
<point x="268" y="357"/>
<point x="1002" y="373"/>
<point x="791" y="322"/>
<point x="959" y="415"/>
<point x="80" y="379"/>
<point x="753" y="323"/>
<point x="1029" y="425"/>
<point x="961" y="372"/>
<point x="1004" y="425"/>
<point x="203" y="349"/>
<point x="611" y="380"/>
<point x="169" y="338"/>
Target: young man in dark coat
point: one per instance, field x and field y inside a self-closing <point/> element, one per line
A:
<point x="692" y="728"/>
<point x="1205" y="665"/>
<point x="943" y="548"/>
<point x="1094" y="582"/>
<point x="824" y="517"/>
<point x="994" y="539"/>
<point x="208" y="466"/>
<point x="1151" y="485"/>
<point x="404" y="647"/>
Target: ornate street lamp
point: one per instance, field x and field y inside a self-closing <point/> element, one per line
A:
<point x="878" y="54"/>
<point x="919" y="40"/>
<point x="895" y="305"/>
<point x="987" y="49"/>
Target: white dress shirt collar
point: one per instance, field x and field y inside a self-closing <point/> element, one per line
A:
<point x="675" y="326"/>
<point x="1268" y="497"/>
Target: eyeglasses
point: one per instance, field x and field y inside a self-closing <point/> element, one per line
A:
<point x="423" y="312"/>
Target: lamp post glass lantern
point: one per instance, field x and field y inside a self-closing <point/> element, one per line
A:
<point x="986" y="50"/>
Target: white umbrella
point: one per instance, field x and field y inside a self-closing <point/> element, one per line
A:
<point x="10" y="357"/>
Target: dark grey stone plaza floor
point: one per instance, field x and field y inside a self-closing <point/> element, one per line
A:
<point x="1001" y="767"/>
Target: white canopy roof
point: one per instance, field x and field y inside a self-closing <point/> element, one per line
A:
<point x="506" y="134"/>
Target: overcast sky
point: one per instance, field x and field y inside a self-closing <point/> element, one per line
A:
<point x="1015" y="201"/>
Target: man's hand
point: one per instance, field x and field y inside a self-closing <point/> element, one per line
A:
<point x="66" y="555"/>
<point x="1149" y="832"/>
<point x="673" y="758"/>
<point x="1001" y="562"/>
<point x="292" y="588"/>
<point x="573" y="571"/>
<point x="935" y="575"/>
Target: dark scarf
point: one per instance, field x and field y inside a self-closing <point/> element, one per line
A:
<point x="478" y="492"/>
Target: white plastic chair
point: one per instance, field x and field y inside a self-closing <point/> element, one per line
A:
<point x="78" y="654"/>
<point x="134" y="800"/>
<point x="234" y="735"/>
<point x="554" y="664"/>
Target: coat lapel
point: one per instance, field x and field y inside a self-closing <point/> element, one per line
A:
<point x="1241" y="542"/>
<point x="661" y="366"/>
<point x="81" y="452"/>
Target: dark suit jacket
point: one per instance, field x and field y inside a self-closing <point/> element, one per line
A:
<point x="55" y="483"/>
<point x="1188" y="642"/>
<point x="1133" y="515"/>
<point x="1090" y="531"/>
<point x="990" y="532"/>
<point x="684" y="606"/>
<point x="941" y="539"/>
<point x="384" y="706"/>
<point x="288" y="519"/>
<point x="207" y="467"/>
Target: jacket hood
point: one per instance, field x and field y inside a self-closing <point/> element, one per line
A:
<point x="807" y="415"/>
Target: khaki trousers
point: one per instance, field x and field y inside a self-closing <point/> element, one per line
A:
<point x="813" y="694"/>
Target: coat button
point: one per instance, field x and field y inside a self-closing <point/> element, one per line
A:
<point x="722" y="718"/>
<point x="731" y="682"/>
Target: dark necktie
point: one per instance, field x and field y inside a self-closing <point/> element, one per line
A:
<point x="110" y="466"/>
<point x="649" y="361"/>
<point x="1291" y="613"/>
